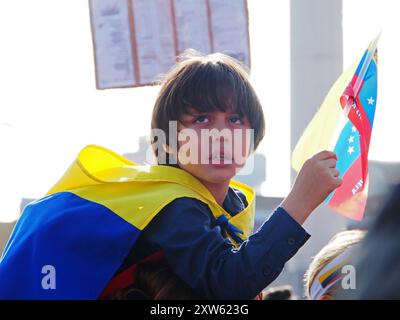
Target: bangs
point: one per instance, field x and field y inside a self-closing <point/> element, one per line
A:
<point x="212" y="87"/>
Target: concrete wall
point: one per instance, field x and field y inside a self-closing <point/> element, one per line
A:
<point x="316" y="62"/>
<point x="5" y="231"/>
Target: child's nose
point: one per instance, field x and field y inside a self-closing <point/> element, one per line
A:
<point x="223" y="132"/>
<point x="221" y="123"/>
<point x="222" y="137"/>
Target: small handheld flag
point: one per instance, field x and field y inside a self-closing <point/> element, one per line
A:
<point x="344" y="124"/>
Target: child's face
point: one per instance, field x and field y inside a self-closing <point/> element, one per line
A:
<point x="221" y="147"/>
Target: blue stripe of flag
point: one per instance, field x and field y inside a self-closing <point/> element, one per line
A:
<point x="84" y="241"/>
<point x="368" y="93"/>
<point x="347" y="149"/>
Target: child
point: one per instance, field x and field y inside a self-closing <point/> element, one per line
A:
<point x="184" y="213"/>
<point x="325" y="273"/>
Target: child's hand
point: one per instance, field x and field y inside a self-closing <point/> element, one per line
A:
<point x="316" y="180"/>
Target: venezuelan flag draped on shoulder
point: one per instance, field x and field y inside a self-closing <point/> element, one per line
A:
<point x="86" y="225"/>
<point x="344" y="124"/>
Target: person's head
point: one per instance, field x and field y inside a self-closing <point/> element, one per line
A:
<point x="155" y="281"/>
<point x="378" y="263"/>
<point x="279" y="293"/>
<point x="216" y="112"/>
<point x="324" y="275"/>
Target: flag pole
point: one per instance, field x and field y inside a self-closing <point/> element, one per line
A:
<point x="363" y="71"/>
<point x="357" y="86"/>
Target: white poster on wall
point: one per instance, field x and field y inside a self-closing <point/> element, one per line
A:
<point x="229" y="22"/>
<point x="192" y="23"/>
<point x="154" y="35"/>
<point x="112" y="43"/>
<point x="137" y="41"/>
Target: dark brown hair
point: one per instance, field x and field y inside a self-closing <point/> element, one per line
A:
<point x="206" y="83"/>
<point x="156" y="281"/>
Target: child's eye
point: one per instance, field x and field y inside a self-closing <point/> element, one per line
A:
<point x="236" y="120"/>
<point x="201" y="119"/>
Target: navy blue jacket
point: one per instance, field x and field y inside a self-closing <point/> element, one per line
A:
<point x="194" y="247"/>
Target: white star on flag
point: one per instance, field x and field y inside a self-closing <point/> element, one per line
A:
<point x="350" y="150"/>
<point x="351" y="139"/>
<point x="353" y="129"/>
<point x="371" y="101"/>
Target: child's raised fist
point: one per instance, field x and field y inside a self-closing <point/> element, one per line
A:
<point x="316" y="180"/>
